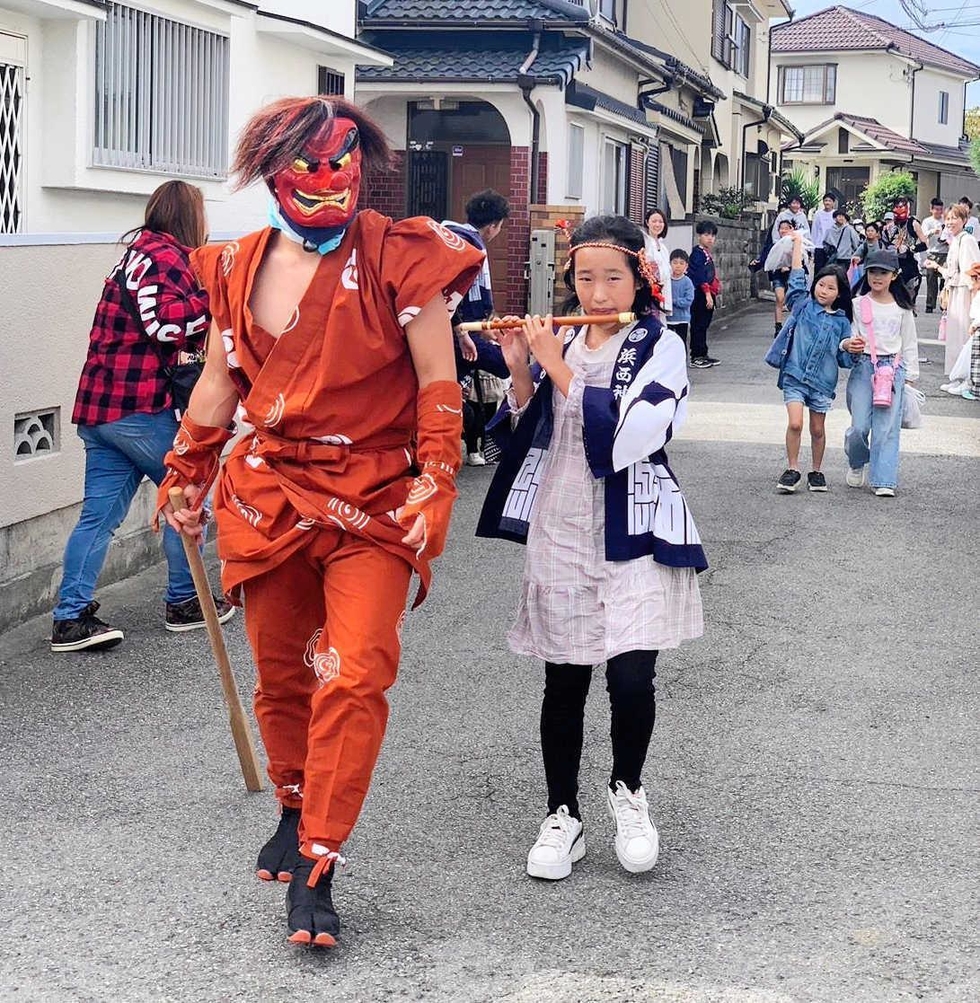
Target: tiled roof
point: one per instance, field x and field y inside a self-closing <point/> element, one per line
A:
<point x="583" y="96"/>
<point x="477" y="58"/>
<point x="674" y="114"/>
<point x="839" y="28"/>
<point x="475" y="10"/>
<point x="948" y="154"/>
<point x="874" y="130"/>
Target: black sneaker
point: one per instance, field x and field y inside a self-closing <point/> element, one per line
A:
<point x="188" y="615"/>
<point x="787" y="482"/>
<point x="712" y="362"/>
<point x="815" y="481"/>
<point x="279" y="856"/>
<point x="311" y="917"/>
<point x="84" y="631"/>
<point x="700" y="363"/>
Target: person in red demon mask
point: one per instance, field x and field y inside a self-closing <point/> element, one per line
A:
<point x="331" y="334"/>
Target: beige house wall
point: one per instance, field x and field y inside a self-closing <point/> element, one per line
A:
<point x="870" y="84"/>
<point x="64" y="193"/>
<point x="684" y="29"/>
<point x="46" y="310"/>
<point x="926" y="125"/>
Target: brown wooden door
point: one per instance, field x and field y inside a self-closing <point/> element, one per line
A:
<point x="480" y="167"/>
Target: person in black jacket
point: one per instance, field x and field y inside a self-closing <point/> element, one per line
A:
<point x="486" y="212"/>
<point x="701" y="271"/>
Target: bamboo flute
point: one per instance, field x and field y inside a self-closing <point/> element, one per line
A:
<point x="576" y="320"/>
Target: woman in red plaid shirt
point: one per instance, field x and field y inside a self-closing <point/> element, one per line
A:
<point x="124" y="411"/>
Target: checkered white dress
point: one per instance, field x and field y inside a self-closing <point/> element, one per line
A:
<point x="575" y="606"/>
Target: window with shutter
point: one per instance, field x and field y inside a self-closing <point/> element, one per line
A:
<point x="652" y="193"/>
<point x="719" y="34"/>
<point x="161" y="95"/>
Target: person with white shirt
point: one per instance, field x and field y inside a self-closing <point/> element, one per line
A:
<point x="883" y="338"/>
<point x="937" y="248"/>
<point x="655" y="243"/>
<point x="972" y="223"/>
<point x="964" y="252"/>
<point x="792" y="211"/>
<point x="823" y="223"/>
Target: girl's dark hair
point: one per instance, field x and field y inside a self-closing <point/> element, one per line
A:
<point x="876" y="223"/>
<point x="706" y="226"/>
<point x="845" y="299"/>
<point x="657" y="212"/>
<point x="176" y="208"/>
<point x="486" y="207"/>
<point x="898" y="289"/>
<point x="615" y="230"/>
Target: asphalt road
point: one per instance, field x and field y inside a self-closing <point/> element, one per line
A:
<point x="813" y="773"/>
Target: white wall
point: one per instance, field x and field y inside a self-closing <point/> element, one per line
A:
<point x="62" y="192"/>
<point x="870" y="84"/>
<point x="927" y="127"/>
<point x="334" y="15"/>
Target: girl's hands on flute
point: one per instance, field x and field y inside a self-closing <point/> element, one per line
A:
<point x="546" y="345"/>
<point x="513" y="345"/>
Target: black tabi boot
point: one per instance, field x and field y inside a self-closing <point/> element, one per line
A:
<point x="278" y="858"/>
<point x="311" y="917"/>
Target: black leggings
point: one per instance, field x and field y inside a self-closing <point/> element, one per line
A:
<point x="629" y="680"/>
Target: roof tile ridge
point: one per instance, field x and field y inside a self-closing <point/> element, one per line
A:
<point x="797" y="21"/>
<point x="858" y="19"/>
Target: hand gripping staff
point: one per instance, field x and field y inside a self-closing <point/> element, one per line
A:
<point x="236" y="712"/>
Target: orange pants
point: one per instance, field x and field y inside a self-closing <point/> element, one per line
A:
<point x="324" y="629"/>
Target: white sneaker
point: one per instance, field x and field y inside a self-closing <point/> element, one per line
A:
<point x="475" y="460"/>
<point x="560" y="843"/>
<point x="637" y="842"/>
<point x="955" y="388"/>
<point x="856" y="477"/>
<point x="885" y="492"/>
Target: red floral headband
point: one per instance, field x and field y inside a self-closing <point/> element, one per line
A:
<point x="648" y="269"/>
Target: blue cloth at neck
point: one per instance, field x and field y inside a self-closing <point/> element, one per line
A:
<point x="320" y="239"/>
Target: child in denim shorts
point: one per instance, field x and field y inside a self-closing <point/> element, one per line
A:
<point x="821" y="319"/>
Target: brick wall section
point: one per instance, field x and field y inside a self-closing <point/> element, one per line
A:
<point x="735" y="245"/>
<point x="544" y="217"/>
<point x="512" y="298"/>
<point x="542" y="193"/>
<point x="386" y="191"/>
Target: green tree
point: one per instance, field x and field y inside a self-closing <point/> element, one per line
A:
<point x="973" y="122"/>
<point x="975" y="154"/>
<point x="798" y="184"/>
<point x="879" y="196"/>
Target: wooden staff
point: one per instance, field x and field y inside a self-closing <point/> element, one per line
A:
<point x="236" y="712"/>
<point x="577" y="321"/>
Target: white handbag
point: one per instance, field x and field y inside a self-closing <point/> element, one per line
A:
<point x="913" y="401"/>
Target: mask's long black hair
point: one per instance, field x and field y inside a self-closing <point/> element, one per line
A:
<point x="845" y="300"/>
<point x="615" y="230"/>
<point x="898" y="289"/>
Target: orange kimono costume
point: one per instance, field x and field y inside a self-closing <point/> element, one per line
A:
<point x="305" y="501"/>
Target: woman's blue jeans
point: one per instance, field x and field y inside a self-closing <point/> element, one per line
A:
<point x="881" y="424"/>
<point x="118" y="455"/>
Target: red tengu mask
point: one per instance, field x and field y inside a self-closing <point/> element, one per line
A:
<point x="901" y="212"/>
<point x="319" y="189"/>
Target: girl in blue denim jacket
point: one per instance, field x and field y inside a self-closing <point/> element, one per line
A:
<point x="808" y="375"/>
